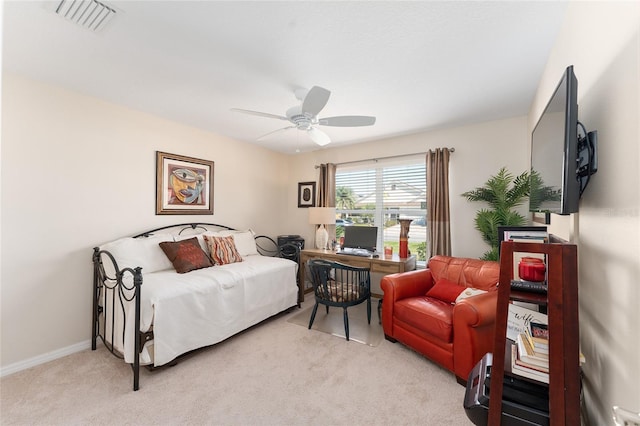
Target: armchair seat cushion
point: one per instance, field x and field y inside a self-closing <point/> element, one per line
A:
<point x="418" y="311"/>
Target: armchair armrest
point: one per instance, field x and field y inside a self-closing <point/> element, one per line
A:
<point x="406" y="284"/>
<point x="478" y="310"/>
<point x="473" y="331"/>
<point x="401" y="286"/>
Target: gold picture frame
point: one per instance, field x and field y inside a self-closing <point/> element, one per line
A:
<point x="184" y="185"/>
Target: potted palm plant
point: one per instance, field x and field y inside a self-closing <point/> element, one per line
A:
<point x="502" y="193"/>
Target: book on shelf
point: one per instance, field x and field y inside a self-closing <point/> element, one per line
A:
<point x="516" y="368"/>
<point x="528" y="361"/>
<point x="532" y="286"/>
<point x="534" y="236"/>
<point x="531" y="368"/>
<point x="541" y="349"/>
<point x="527" y="353"/>
<point x="537" y="342"/>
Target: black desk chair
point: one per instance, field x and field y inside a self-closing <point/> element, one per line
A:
<point x="339" y="285"/>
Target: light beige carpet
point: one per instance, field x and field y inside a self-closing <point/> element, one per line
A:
<point x="276" y="373"/>
<point x="333" y="322"/>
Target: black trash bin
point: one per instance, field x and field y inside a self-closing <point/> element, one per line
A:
<point x="287" y="250"/>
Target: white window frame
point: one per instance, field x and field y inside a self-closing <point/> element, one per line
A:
<point x="379" y="213"/>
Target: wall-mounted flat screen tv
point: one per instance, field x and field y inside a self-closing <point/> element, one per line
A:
<point x="561" y="161"/>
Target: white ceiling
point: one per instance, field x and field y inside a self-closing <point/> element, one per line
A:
<point x="414" y="65"/>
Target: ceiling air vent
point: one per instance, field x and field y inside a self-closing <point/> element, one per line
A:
<point x="89" y="14"/>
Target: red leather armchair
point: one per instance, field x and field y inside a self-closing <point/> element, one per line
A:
<point x="456" y="336"/>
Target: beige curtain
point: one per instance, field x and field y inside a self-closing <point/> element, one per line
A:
<point x="438" y="227"/>
<point x="327" y="186"/>
<point x="327" y="192"/>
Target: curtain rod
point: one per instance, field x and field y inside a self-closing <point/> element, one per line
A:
<point x="385" y="158"/>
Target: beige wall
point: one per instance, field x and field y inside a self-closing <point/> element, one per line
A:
<point x="480" y="151"/>
<point x="602" y="41"/>
<point x="77" y="172"/>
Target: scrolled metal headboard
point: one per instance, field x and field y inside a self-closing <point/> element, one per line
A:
<point x="184" y="226"/>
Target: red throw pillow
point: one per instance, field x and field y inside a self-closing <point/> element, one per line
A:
<point x="445" y="290"/>
<point x="186" y="255"/>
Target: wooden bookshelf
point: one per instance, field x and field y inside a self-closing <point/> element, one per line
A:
<point x="561" y="302"/>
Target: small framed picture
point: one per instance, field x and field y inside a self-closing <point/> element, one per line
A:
<point x="306" y="194"/>
<point x="539" y="330"/>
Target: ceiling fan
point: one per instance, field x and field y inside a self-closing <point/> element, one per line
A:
<point x="305" y="116"/>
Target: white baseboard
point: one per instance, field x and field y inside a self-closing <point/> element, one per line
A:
<point x="41" y="359"/>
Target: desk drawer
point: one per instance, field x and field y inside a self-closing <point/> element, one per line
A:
<point x="385" y="268"/>
<point x="359" y="263"/>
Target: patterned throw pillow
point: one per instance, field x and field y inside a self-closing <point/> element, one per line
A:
<point x="186" y="255"/>
<point x="223" y="249"/>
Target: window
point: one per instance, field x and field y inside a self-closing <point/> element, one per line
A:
<point x="378" y="195"/>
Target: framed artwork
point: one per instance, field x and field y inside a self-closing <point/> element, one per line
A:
<point x="306" y="194"/>
<point x="184" y="185"/>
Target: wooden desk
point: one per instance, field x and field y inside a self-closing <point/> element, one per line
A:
<point x="382" y="265"/>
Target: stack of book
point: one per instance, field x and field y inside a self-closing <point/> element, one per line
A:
<point x="529" y="357"/>
<point x="530" y="360"/>
<point x="527" y="354"/>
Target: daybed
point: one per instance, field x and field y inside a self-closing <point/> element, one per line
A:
<point x="446" y="312"/>
<point x="158" y="295"/>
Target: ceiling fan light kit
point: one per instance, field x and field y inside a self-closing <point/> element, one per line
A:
<point x="319" y="137"/>
<point x="305" y="116"/>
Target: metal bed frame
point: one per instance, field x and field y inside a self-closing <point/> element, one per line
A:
<point x="122" y="294"/>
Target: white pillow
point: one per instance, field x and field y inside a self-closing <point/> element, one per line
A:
<point x="245" y="243"/>
<point x="221" y="233"/>
<point x="468" y="292"/>
<point x="143" y="251"/>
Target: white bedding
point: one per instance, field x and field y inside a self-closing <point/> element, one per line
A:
<point x="206" y="306"/>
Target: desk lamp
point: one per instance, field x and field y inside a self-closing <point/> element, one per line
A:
<point x="322" y="216"/>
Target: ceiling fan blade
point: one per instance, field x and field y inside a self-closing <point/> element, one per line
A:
<point x="260" y="114"/>
<point x="318" y="136"/>
<point x="348" y="121"/>
<point x="275" y="131"/>
<point x="315" y="100"/>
